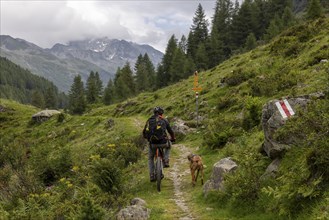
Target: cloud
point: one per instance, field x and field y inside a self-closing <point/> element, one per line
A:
<point x="146" y="22"/>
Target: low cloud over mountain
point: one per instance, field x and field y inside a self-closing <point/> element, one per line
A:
<point x="62" y="62"/>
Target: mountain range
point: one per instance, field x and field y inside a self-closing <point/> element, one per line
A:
<point x="61" y="63"/>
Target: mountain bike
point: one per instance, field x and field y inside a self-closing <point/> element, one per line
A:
<point x="158" y="161"/>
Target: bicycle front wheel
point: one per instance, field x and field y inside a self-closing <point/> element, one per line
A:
<point x="158" y="167"/>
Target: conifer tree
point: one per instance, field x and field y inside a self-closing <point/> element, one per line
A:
<point x="150" y="70"/>
<point x="182" y="67"/>
<point x="99" y="85"/>
<point x="124" y="85"/>
<point x="243" y="24"/>
<point x="274" y="28"/>
<point x="37" y="99"/>
<point x="201" y="57"/>
<point x="314" y="9"/>
<point x="215" y="49"/>
<point x="160" y="79"/>
<point x="251" y="42"/>
<point x="140" y="74"/>
<point x="163" y="71"/>
<point x="178" y="68"/>
<point x="198" y="33"/>
<point x="108" y="97"/>
<point x="62" y="100"/>
<point x="91" y="90"/>
<point x="183" y="44"/>
<point x="77" y="101"/>
<point x="127" y="75"/>
<point x="278" y="7"/>
<point x="50" y="98"/>
<point x="145" y="74"/>
<point x="219" y="43"/>
<point x="261" y="13"/>
<point x="288" y="18"/>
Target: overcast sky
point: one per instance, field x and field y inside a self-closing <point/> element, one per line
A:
<point x="152" y="22"/>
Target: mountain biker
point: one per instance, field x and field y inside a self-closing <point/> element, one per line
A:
<point x="162" y="139"/>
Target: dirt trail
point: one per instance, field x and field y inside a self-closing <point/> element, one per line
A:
<point x="177" y="172"/>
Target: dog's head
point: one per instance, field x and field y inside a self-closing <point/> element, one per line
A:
<point x="190" y="156"/>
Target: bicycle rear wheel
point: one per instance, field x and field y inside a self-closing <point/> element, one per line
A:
<point x="158" y="167"/>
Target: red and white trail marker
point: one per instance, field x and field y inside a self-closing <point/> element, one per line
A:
<point x="285" y="108"/>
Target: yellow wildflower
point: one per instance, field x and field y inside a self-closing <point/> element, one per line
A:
<point x="95" y="157"/>
<point x="111" y="145"/>
<point x="75" y="168"/>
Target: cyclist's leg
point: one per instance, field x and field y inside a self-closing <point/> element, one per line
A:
<point x="151" y="154"/>
<point x="167" y="155"/>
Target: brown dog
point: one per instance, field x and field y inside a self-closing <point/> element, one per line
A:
<point x="195" y="165"/>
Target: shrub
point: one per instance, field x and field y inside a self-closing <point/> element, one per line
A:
<point x="316" y="57"/>
<point x="51" y="163"/>
<point x="253" y="113"/>
<point x="13" y="153"/>
<point x="128" y="152"/>
<point x="139" y="141"/>
<point x="237" y="77"/>
<point x="270" y="85"/>
<point x="220" y="131"/>
<point x="264" y="86"/>
<point x="243" y="186"/>
<point x="90" y="210"/>
<point x="60" y="117"/>
<point x="226" y="102"/>
<point x="3" y="213"/>
<point x="293" y="188"/>
<point x="107" y="174"/>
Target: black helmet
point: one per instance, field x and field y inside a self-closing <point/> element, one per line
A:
<point x="158" y="110"/>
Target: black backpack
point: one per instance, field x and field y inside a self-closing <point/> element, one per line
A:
<point x="155" y="129"/>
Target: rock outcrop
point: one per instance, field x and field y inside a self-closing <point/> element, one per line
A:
<point x="225" y="165"/>
<point x="136" y="211"/>
<point x="180" y="128"/>
<point x="44" y="115"/>
<point x="272" y="120"/>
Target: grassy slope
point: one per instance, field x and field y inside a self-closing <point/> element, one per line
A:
<point x="296" y="54"/>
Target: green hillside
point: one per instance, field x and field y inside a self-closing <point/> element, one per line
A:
<point x="90" y="166"/>
<point x="21" y="85"/>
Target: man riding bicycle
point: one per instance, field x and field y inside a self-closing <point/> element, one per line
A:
<point x="155" y="132"/>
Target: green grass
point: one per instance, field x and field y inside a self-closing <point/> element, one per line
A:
<point x="232" y="93"/>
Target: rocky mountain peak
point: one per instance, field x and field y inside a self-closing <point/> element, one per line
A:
<point x="62" y="62"/>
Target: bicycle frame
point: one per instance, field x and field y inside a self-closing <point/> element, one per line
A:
<point x="158" y="160"/>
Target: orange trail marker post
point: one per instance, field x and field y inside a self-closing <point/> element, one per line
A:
<point x="197" y="108"/>
<point x="197" y="89"/>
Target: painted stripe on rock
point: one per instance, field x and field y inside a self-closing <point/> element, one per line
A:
<point x="284" y="108"/>
<point x="291" y="111"/>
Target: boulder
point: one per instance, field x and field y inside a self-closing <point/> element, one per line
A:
<point x="225" y="165"/>
<point x="272" y="120"/>
<point x="136" y="211"/>
<point x="272" y="169"/>
<point x="44" y="115"/>
<point x="180" y="128"/>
